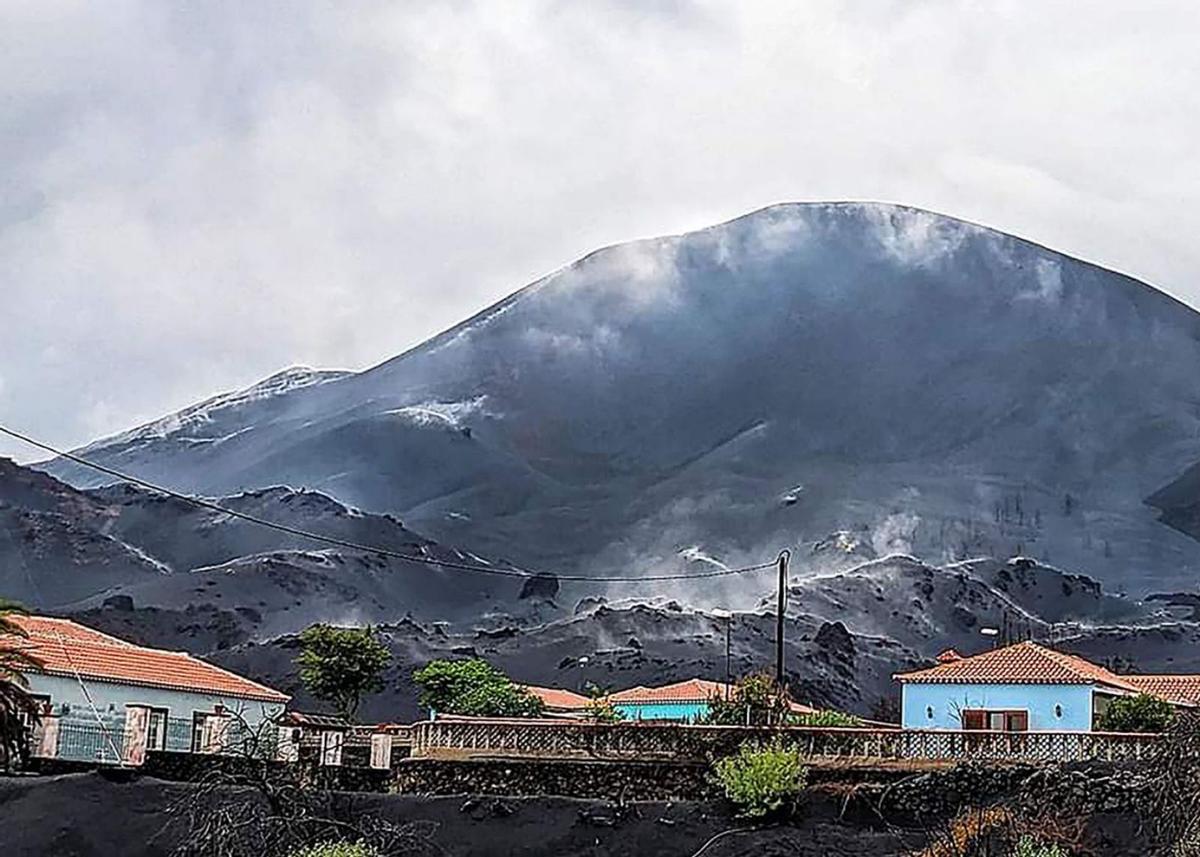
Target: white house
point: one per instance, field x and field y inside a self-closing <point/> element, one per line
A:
<point x="106" y="700"/>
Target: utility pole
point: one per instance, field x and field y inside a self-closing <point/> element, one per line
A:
<point x="784" y="556"/>
<point x="728" y="617"/>
<point x="728" y="654"/>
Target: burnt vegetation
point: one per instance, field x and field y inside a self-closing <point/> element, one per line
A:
<point x="253" y="806"/>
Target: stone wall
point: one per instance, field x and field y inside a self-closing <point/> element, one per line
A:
<point x="1076" y="788"/>
<point x="189" y="767"/>
<point x="616" y="781"/>
<point x="594" y="779"/>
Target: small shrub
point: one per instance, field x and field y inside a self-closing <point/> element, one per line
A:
<point x="756" y="701"/>
<point x="761" y="779"/>
<point x="337" y="849"/>
<point x="1027" y="846"/>
<point x="1141" y="713"/>
<point x="600" y="708"/>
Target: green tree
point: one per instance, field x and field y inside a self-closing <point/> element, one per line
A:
<point x="761" y="779"/>
<point x="473" y="687"/>
<point x="17" y="708"/>
<point x="756" y="700"/>
<point x="1141" y="713"/>
<point x="341" y="665"/>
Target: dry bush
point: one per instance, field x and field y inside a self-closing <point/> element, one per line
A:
<point x="1174" y="800"/>
<point x="996" y="831"/>
<point x="249" y="805"/>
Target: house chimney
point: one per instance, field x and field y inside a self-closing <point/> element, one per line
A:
<point x="948" y="657"/>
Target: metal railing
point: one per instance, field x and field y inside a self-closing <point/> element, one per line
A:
<point x="543" y="739"/>
<point x="84" y="740"/>
<point x="105" y="740"/>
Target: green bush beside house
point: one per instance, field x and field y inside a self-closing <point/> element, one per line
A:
<point x="1141" y="713"/>
<point x="762" y="779"/>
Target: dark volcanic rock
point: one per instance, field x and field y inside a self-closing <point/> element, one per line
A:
<point x="674" y="645"/>
<point x="834" y="637"/>
<point x="544" y="586"/>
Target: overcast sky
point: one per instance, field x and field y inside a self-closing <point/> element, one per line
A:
<point x="195" y="195"/>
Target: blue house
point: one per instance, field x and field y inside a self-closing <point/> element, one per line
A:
<point x="1025" y="687"/>
<point x="681" y="702"/>
<point x="684" y="701"/>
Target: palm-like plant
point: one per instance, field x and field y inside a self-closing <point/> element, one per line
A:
<point x="17" y="707"/>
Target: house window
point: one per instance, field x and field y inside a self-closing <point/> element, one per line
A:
<point x="199" y="733"/>
<point x="156" y="729"/>
<point x="209" y="730"/>
<point x="995" y="720"/>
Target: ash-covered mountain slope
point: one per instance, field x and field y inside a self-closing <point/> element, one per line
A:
<point x="188" y="536"/>
<point x="54" y="549"/>
<point x="933" y="386"/>
<point x="64" y="548"/>
<point x="1179" y="502"/>
<point x="829" y="662"/>
<point x="624" y="647"/>
<point x="929" y="608"/>
<point x="846" y="632"/>
<point x="283" y="592"/>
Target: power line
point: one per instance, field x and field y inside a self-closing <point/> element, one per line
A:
<point x="344" y="543"/>
<point x="91" y="702"/>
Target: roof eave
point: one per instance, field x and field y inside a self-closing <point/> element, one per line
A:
<point x="267" y="696"/>
<point x="913" y="679"/>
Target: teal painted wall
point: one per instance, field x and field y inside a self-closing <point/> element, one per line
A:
<point x="1044" y="702"/>
<point x="688" y="711"/>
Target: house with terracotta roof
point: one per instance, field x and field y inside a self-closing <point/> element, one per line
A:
<point x="107" y="700"/>
<point x="683" y="701"/>
<point x="1025" y="687"/>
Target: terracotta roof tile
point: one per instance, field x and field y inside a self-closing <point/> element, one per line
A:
<point x="66" y="648"/>
<point x="1180" y="689"/>
<point x="692" y="690"/>
<point x="1022" y="663"/>
<point x="557" y="698"/>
